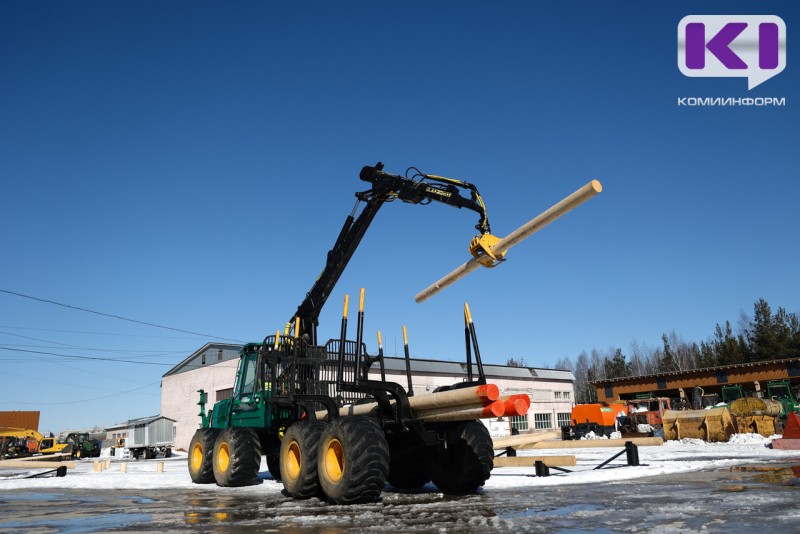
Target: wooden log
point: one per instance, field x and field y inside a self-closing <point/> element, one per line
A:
<point x="45" y="458"/>
<point x="515" y="407"/>
<point x="492" y="409"/>
<point x="593" y="443"/>
<point x="523" y="232"/>
<point x="459" y="413"/>
<point x="18" y="463"/>
<point x="455" y="397"/>
<point x="523" y="439"/>
<point x="530" y="461"/>
<point x="522" y="396"/>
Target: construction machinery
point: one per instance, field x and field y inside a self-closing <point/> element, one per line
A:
<point x="21" y="442"/>
<point x="755" y="415"/>
<point x="645" y="416"/>
<point x="82" y="445"/>
<point x="781" y="391"/>
<point x="711" y="424"/>
<point x="289" y="394"/>
<point x="599" y="419"/>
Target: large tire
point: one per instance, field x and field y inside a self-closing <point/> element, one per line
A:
<point x="201" y="454"/>
<point x="274" y="466"/>
<point x="297" y="463"/>
<point x="353" y="460"/>
<point x="465" y="466"/>
<point x="408" y="472"/>
<point x="237" y="457"/>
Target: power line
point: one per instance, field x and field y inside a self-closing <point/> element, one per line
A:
<point x="78" y="357"/>
<point x="79" y="401"/>
<point x="131" y="352"/>
<point x="115" y="334"/>
<point x="113" y="316"/>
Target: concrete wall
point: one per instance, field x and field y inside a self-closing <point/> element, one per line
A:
<point x="179" y="396"/>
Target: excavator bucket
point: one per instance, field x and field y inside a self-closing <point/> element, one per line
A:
<point x="754" y="415"/>
<point x="715" y="424"/>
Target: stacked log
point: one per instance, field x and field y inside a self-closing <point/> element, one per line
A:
<point x="464" y="404"/>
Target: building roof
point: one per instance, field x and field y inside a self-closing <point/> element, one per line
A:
<point x="553" y="374"/>
<point x="690" y="372"/>
<point x="195" y="360"/>
<point x="139" y="422"/>
<point x="396" y="364"/>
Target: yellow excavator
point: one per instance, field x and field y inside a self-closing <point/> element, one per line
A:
<point x="19" y="442"/>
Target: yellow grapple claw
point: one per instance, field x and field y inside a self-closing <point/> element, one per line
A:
<point x="481" y="249"/>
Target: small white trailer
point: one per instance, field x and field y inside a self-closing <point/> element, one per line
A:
<point x="149" y="436"/>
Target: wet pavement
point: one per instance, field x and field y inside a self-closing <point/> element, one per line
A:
<point x="741" y="499"/>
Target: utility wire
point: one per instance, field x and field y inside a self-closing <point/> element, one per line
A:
<point x="75" y="356"/>
<point x="79" y="401"/>
<point x="115" y="316"/>
<point x="115" y="334"/>
<point x="152" y="353"/>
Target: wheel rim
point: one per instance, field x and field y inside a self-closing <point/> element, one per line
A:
<point x="197" y="457"/>
<point x="334" y="460"/>
<point x="293" y="460"/>
<point x="223" y="457"/>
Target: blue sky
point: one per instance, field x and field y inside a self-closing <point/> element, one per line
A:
<point x="189" y="164"/>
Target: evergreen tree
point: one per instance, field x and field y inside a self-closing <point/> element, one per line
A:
<point x="707" y="356"/>
<point x="727" y="348"/>
<point x="761" y="336"/>
<point x="516" y="362"/>
<point x="771" y="336"/>
<point x="667" y="363"/>
<point x="616" y="367"/>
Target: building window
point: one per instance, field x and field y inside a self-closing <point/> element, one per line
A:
<point x="520" y="422"/>
<point x="219" y="355"/>
<point x="565" y="395"/>
<point x="561" y="395"/>
<point x="557" y="394"/>
<point x="564" y="419"/>
<point x="224" y="394"/>
<point x="203" y="359"/>
<point x="542" y="421"/>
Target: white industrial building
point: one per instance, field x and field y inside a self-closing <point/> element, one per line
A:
<point x="212" y="368"/>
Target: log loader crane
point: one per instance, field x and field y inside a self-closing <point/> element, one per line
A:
<point x="284" y="381"/>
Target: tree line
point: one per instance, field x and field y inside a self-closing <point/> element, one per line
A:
<point x="767" y="336"/>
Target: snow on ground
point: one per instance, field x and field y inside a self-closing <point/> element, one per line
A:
<point x="672" y="457"/>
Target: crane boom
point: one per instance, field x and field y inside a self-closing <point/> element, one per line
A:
<point x="418" y="189"/>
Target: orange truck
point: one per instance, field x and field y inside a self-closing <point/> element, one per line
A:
<point x="600" y="418"/>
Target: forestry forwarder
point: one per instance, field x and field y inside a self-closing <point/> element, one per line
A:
<point x="284" y="380"/>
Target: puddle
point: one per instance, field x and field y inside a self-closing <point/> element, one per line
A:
<point x="93" y="523"/>
<point x="555" y="512"/>
<point x="783" y="476"/>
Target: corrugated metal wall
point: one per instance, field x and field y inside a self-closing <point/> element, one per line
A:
<point x="139" y="437"/>
<point x="157" y="432"/>
<point x="20" y="420"/>
<point x="161" y="432"/>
